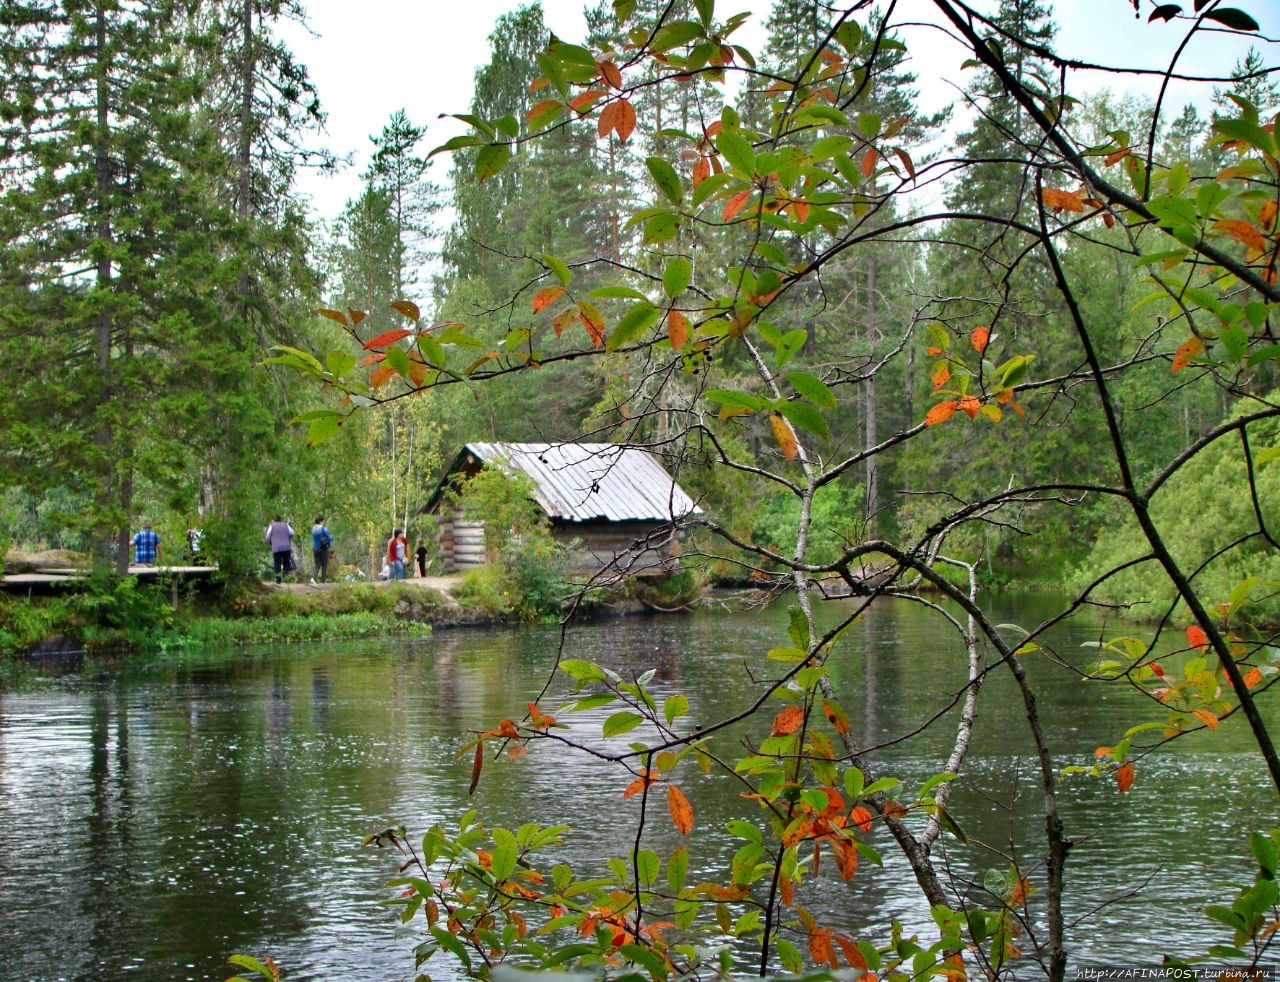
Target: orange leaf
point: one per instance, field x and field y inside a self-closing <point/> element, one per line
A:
<point x="894" y="810"/>
<point x="626" y="123"/>
<point x="406" y="307"/>
<point x="1267" y="213"/>
<point x="1207" y="718"/>
<point x="735" y="204"/>
<point x="563" y="320"/>
<point x="1242" y="231"/>
<point x="477" y="764"/>
<point x="836" y="716"/>
<point x="516" y="751"/>
<point x="593" y="321"/>
<point x="820" y="949"/>
<point x="333" y="315"/>
<point x="1124" y="776"/>
<point x="970" y="405"/>
<point x="1197" y="638"/>
<point x="680" y="809"/>
<point x="701" y="170"/>
<point x="380" y="375"/>
<point x="862" y="818"/>
<point x="846" y="858"/>
<point x="1188" y="350"/>
<point x="787" y="891"/>
<point x="785" y="435"/>
<point x="941" y="374"/>
<point x="980" y="338"/>
<point x="677" y="329"/>
<point x="585" y="100"/>
<point x="610" y="74"/>
<point x="546" y="296"/>
<point x="357" y="316"/>
<point x="942" y="411"/>
<point x="374" y="358"/>
<point x="907" y="162"/>
<point x="645" y="779"/>
<point x="546" y="105"/>
<point x="386" y="338"/>
<point x="607" y="120"/>
<point x="1119" y="155"/>
<point x="508" y="729"/>
<point x="799" y="209"/>
<point x="1060" y="200"/>
<point x="787" y="721"/>
<point x="869" y="161"/>
<point x="1252" y="677"/>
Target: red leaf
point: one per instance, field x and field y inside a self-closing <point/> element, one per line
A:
<point x="1197" y="638"/>
<point x="735" y="204"/>
<point x="1124" y="777"/>
<point x="787" y="721"/>
<point x="980" y="338"/>
<point x="680" y="809"/>
<point x="941" y="412"/>
<point x="546" y="296"/>
<point x="386" y="338"/>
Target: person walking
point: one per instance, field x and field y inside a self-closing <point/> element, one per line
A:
<point x="146" y="546"/>
<point x="397" y="549"/>
<point x="321" y="543"/>
<point x="279" y="535"/>
<point x="421" y="555"/>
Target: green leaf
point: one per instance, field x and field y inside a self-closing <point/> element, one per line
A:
<point x="813" y="389"/>
<point x="675" y="34"/>
<point x="806" y="417"/>
<point x="1235" y="19"/>
<point x="661" y="228"/>
<point x="678" y="869"/>
<point x="869" y="125"/>
<point x="648" y="865"/>
<point x="295" y="359"/>
<point x="728" y="397"/>
<point x="558" y="267"/>
<point x="789" y="955"/>
<point x="340" y="362"/>
<point x="583" y="671"/>
<point x="788" y="345"/>
<point x="399" y="361"/>
<point x="321" y="430"/>
<point x="623" y="722"/>
<point x="616" y="293"/>
<point x="491" y="159"/>
<point x="666" y="179"/>
<point x="677" y="276"/>
<point x="673" y="707"/>
<point x="738" y="152"/>
<point x="639" y="318"/>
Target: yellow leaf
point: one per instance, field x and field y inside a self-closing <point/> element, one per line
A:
<point x="785" y="436"/>
<point x="680" y="809"/>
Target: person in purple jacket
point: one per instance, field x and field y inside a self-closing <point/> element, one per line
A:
<point x="279" y="535"/>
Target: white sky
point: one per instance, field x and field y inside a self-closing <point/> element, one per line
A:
<point x="372" y="57"/>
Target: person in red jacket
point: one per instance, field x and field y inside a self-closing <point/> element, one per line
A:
<point x="397" y="551"/>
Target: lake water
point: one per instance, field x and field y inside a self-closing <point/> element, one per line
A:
<point x="157" y="815"/>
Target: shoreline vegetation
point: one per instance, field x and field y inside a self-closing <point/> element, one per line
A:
<point x="101" y="613"/>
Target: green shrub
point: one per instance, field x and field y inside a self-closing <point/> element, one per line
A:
<point x="538" y="575"/>
<point x="670" y="592"/>
<point x="486" y="589"/>
<point x="836" y="521"/>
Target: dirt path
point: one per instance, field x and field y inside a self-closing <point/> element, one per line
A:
<point x="442" y="584"/>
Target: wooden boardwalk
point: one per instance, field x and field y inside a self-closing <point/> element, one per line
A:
<point x="59" y="575"/>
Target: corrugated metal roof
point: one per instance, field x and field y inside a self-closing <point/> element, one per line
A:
<point x="587" y="482"/>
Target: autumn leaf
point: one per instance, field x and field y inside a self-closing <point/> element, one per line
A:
<point x="787" y="721"/>
<point x="701" y="170"/>
<point x="836" y="716"/>
<point x="869" y="161"/>
<point x="562" y="320"/>
<point x="593" y="321"/>
<point x="677" y="329"/>
<point x="386" y="338"/>
<point x="941" y="412"/>
<point x="970" y="406"/>
<point x="680" y="809"/>
<point x="333" y="315"/>
<point x="1124" y="776"/>
<point x="820" y="948"/>
<point x="1252" y="677"/>
<point x="617" y="117"/>
<point x="799" y="209"/>
<point x="862" y="818"/>
<point x="1060" y="200"/>
<point x="735" y="204"/>
<point x="1117" y="156"/>
<point x="477" y="764"/>
<point x="846" y="858"/>
<point x="785" y="436"/>
<point x="357" y="316"/>
<point x="610" y="74"/>
<point x="1188" y="350"/>
<point x="1242" y="231"/>
<point x="406" y="307"/>
<point x="1197" y="638"/>
<point x="1267" y="213"/>
<point x="381" y="375"/>
<point x="546" y="296"/>
<point x="980" y="338"/>
<point x="585" y="100"/>
<point x="941" y="374"/>
<point x="508" y="729"/>
<point x="1207" y="718"/>
<point x="546" y="105"/>
<point x="645" y="779"/>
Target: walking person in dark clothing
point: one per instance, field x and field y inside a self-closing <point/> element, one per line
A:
<point x="420" y="554"/>
<point x="321" y="543"/>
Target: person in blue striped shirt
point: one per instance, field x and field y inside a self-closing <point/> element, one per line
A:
<point x="146" y="546"/>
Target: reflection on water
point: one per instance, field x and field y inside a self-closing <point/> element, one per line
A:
<point x="155" y="818"/>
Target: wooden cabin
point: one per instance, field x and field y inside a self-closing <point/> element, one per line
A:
<point x="616" y="506"/>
